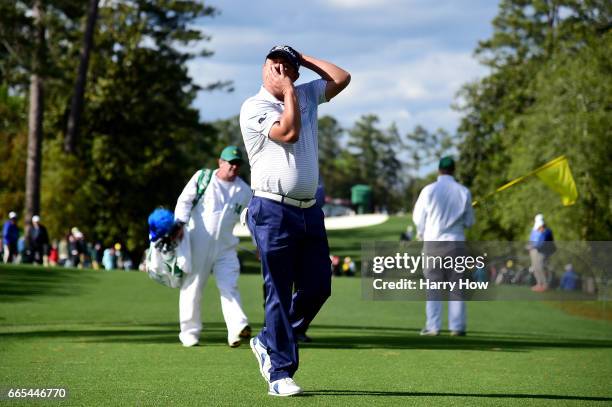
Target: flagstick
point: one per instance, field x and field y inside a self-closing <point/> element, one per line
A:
<point x="521" y="179"/>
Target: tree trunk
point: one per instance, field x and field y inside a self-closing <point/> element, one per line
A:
<point x="76" y="106"/>
<point x="35" y="120"/>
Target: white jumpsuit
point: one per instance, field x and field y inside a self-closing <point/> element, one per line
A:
<point x="441" y="213"/>
<point x="213" y="250"/>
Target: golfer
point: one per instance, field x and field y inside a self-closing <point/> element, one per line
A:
<point x="279" y="127"/>
<point x="210" y="222"/>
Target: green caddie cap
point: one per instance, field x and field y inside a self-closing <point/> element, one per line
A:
<point x="231" y="153"/>
<point x="446" y="163"/>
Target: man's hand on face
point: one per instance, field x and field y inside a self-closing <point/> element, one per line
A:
<point x="277" y="77"/>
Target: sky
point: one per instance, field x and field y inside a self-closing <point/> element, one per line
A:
<point x="407" y="58"/>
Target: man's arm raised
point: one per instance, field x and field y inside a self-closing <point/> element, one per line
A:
<point x="336" y="77"/>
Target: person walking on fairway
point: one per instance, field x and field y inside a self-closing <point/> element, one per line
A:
<point x="210" y="221"/>
<point x="10" y="236"/>
<point x="279" y="128"/>
<point x="442" y="211"/>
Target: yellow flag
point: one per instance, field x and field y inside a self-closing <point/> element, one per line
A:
<point x="558" y="177"/>
<point x="556" y="174"/>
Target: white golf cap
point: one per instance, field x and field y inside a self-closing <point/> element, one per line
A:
<point x="35" y="218"/>
<point x="12" y="215"/>
<point x="538" y="221"/>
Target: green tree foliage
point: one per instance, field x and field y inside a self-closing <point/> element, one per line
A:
<point x="140" y="138"/>
<point x="228" y="134"/>
<point x="424" y="149"/>
<point x="375" y="161"/>
<point x="571" y="115"/>
<point x="548" y="94"/>
<point x="78" y="94"/>
<point x="334" y="161"/>
<point x="330" y="139"/>
<point x="391" y="163"/>
<point x="13" y="145"/>
<point x="35" y="115"/>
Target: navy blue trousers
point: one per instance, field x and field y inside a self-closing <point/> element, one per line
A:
<point x="296" y="269"/>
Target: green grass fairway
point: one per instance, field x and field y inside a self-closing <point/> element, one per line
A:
<point x="110" y="338"/>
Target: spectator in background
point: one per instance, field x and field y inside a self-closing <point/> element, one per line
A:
<point x="570" y="279"/>
<point x="541" y="247"/>
<point x="142" y="266"/>
<point x="73" y="254"/>
<point x="118" y="256"/>
<point x="10" y="236"/>
<point x="335" y="265"/>
<point x="493" y="272"/>
<point x="126" y="261"/>
<point x="82" y="247"/>
<point x="86" y="259"/>
<point x="76" y="247"/>
<point x="53" y="254"/>
<point x="348" y="267"/>
<point x="504" y="271"/>
<point x="96" y="254"/>
<point x="37" y="241"/>
<point x="480" y="275"/>
<point x="22" y="252"/>
<point x="63" y="252"/>
<point x="109" y="260"/>
<point x="408" y="235"/>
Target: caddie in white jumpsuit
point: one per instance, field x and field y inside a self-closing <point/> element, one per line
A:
<point x="210" y="223"/>
<point x="441" y="213"/>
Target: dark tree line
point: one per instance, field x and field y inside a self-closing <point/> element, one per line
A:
<point x="549" y="94"/>
<point x="98" y="104"/>
<point x="97" y="124"/>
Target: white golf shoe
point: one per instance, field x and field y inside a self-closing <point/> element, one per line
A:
<point x="189" y="340"/>
<point x="284" y="388"/>
<point x="263" y="359"/>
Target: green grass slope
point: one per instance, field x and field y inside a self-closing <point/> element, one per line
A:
<point x="110" y="338"/>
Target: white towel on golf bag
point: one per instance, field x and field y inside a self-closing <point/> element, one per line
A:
<point x="168" y="268"/>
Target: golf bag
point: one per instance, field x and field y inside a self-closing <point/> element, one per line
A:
<point x="167" y="261"/>
<point x="169" y="256"/>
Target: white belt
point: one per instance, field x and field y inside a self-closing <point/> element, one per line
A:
<point x="285" y="199"/>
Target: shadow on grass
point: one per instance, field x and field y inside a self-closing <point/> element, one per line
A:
<point x="21" y="283"/>
<point x="163" y="333"/>
<point x="435" y="394"/>
<point x="365" y="337"/>
<point x="343" y="337"/>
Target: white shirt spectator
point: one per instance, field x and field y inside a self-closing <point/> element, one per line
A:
<point x="443" y="210"/>
<point x="273" y="164"/>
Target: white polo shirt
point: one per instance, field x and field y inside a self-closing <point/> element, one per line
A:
<point x="443" y="210"/>
<point x="287" y="169"/>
